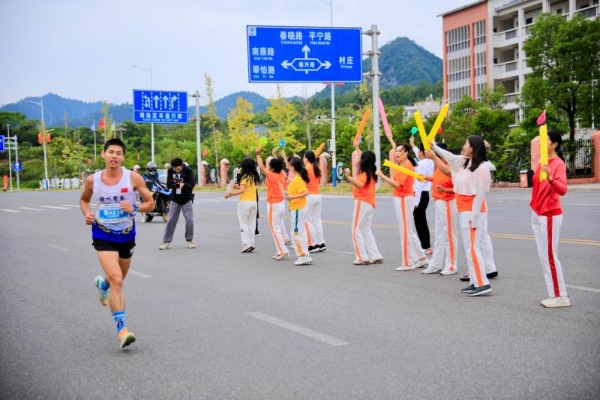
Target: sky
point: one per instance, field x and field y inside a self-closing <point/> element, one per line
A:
<point x="84" y="50"/>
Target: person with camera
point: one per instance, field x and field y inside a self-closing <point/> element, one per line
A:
<point x="180" y="179"/>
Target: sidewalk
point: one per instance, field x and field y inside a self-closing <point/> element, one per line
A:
<point x="590" y="187"/>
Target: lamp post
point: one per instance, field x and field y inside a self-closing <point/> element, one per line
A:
<point x="198" y="140"/>
<point x="149" y="70"/>
<point x="332" y="146"/>
<point x="9" y="160"/>
<point x="41" y="104"/>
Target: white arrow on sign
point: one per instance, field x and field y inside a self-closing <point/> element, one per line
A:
<point x="306" y="50"/>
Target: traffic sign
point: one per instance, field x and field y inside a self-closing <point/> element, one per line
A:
<point x="304" y="54"/>
<point x="17" y="166"/>
<point x="161" y="107"/>
<point x="1" y="142"/>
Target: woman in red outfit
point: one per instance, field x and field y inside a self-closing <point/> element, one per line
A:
<point x="547" y="217"/>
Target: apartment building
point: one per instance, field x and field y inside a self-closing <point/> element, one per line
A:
<point x="483" y="44"/>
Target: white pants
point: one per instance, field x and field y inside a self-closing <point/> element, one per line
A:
<point x="313" y="219"/>
<point x="246" y="211"/>
<point x="275" y="213"/>
<point x="547" y="231"/>
<point x="365" y="247"/>
<point x="298" y="228"/>
<point x="446" y="235"/>
<point x="487" y="250"/>
<point x="472" y="242"/>
<point x="410" y="245"/>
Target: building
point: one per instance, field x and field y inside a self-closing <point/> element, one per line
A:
<point x="483" y="44"/>
<point x="425" y="108"/>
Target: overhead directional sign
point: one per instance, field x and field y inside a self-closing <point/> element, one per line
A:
<point x="1" y="142"/>
<point x="304" y="54"/>
<point x="161" y="107"/>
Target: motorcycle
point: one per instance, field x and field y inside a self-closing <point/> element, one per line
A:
<point x="162" y="202"/>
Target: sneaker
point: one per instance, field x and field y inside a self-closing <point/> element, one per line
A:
<point x="377" y="261"/>
<point x="465" y="278"/>
<point x="164" y="246"/>
<point x="448" y="271"/>
<point x="479" y="291"/>
<point x="247" y="248"/>
<point x="125" y="338"/>
<point x="257" y="234"/>
<point x="431" y="270"/>
<point x="279" y="257"/>
<point x="492" y="274"/>
<point x="323" y="247"/>
<point x="251" y="248"/>
<point x="312" y="249"/>
<point x="468" y="289"/>
<point x="555" y="302"/>
<point x="428" y="251"/>
<point x="303" y="260"/>
<point x="190" y="245"/>
<point x="102" y="294"/>
<point x="422" y="263"/>
<point x="405" y="268"/>
<point x="363" y="262"/>
<point x="286" y="242"/>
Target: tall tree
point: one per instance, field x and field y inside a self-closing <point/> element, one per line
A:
<point x="212" y="119"/>
<point x="241" y="129"/>
<point x="282" y="114"/>
<point x="565" y="58"/>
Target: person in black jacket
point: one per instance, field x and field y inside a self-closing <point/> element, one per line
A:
<point x="180" y="179"/>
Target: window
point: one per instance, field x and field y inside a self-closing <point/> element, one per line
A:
<point x="529" y="21"/>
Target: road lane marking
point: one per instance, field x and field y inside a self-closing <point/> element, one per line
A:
<point x="15" y="233"/>
<point x="55" y="207"/>
<point x="140" y="274"/>
<point x="9" y="210"/>
<point x="59" y="247"/>
<point x="32" y="209"/>
<point x="330" y="340"/>
<point x="588" y="289"/>
<point x="70" y="205"/>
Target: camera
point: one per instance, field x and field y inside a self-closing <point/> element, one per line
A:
<point x="177" y="178"/>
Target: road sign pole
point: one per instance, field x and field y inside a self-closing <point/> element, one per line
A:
<point x="333" y="150"/>
<point x="374" y="74"/>
<point x="198" y="139"/>
<point x="7" y="144"/>
<point x="15" y="138"/>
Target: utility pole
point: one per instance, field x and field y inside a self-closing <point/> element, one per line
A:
<point x="9" y="160"/>
<point x="374" y="75"/>
<point x="198" y="139"/>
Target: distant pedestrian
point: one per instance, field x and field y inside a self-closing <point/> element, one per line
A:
<point x="547" y="217"/>
<point x="113" y="227"/>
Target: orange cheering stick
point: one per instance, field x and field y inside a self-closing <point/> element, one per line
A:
<point x="388" y="163"/>
<point x="319" y="149"/>
<point x="361" y="127"/>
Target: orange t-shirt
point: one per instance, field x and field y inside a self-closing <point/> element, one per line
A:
<point x="367" y="193"/>
<point x="445" y="181"/>
<point x="275" y="186"/>
<point x="464" y="202"/>
<point x="406" y="182"/>
<point x="313" y="181"/>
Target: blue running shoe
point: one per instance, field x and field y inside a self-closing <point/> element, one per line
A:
<point x="102" y="294"/>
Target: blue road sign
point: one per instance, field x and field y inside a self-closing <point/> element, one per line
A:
<point x="304" y="54"/>
<point x="17" y="166"/>
<point x="1" y="142"/>
<point x="161" y="107"/>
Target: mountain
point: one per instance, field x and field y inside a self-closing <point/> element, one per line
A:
<point x="402" y="62"/>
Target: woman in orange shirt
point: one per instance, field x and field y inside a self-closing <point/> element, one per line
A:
<point x="413" y="255"/>
<point x="316" y="242"/>
<point x="296" y="195"/>
<point x="365" y="247"/>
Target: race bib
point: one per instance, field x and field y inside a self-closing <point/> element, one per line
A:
<point x="111" y="214"/>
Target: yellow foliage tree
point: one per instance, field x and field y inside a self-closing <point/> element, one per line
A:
<point x="241" y="131"/>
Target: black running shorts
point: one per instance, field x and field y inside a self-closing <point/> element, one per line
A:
<point x="125" y="250"/>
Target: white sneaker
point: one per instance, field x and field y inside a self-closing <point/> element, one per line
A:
<point x="303" y="260"/>
<point x="363" y="262"/>
<point x="555" y="302"/>
<point x="448" y="271"/>
<point x="431" y="270"/>
<point x="190" y="245"/>
<point x="164" y="246"/>
<point x="405" y="268"/>
<point x="247" y="248"/>
<point x="422" y="263"/>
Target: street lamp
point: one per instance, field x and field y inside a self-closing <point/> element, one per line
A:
<point x="149" y="70"/>
<point x="41" y="104"/>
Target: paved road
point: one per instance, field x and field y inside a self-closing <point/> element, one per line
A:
<point x="213" y="323"/>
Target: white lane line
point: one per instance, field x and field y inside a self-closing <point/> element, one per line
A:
<point x="299" y="329"/>
<point x="140" y="274"/>
<point x="59" y="247"/>
<point x="9" y="210"/>
<point x="32" y="209"/>
<point x="350" y="253"/>
<point x="15" y="233"/>
<point x="55" y="207"/>
<point x="70" y="205"/>
<point x="589" y="289"/>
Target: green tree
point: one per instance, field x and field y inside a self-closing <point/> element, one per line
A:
<point x="565" y="58"/>
<point x="242" y="135"/>
<point x="282" y="116"/>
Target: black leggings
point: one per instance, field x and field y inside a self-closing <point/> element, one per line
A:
<point x="420" y="215"/>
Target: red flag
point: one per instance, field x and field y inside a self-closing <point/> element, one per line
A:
<point x="101" y="124"/>
<point x="440" y="131"/>
<point x="542" y="118"/>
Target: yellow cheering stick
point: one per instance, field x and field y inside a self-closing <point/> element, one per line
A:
<point x="388" y="163"/>
<point x="438" y="123"/>
<point x="543" y="150"/>
<point x="422" y="132"/>
<point x="319" y="149"/>
<point x="361" y="127"/>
